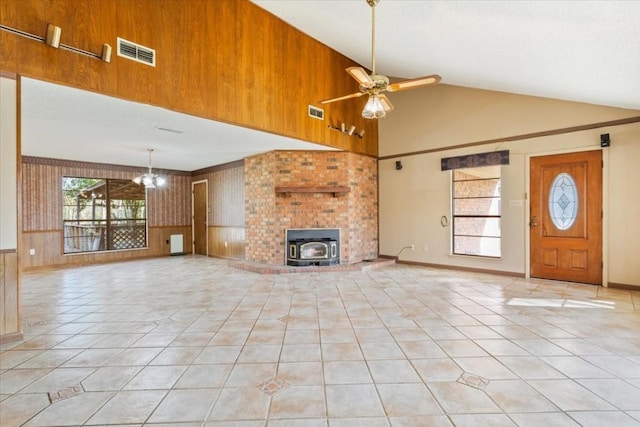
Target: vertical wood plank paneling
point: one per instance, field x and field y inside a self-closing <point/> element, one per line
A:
<point x="32" y="15"/>
<point x="11" y="309"/>
<point x="87" y="25"/>
<point x="48" y="248"/>
<point x="192" y="52"/>
<point x="295" y="80"/>
<point x="3" y="286"/>
<point x="227" y="242"/>
<point x="226" y="60"/>
<point x="168" y="210"/>
<point x="9" y="294"/>
<point x="42" y="202"/>
<point x="171" y="204"/>
<point x="226" y="196"/>
<point x="141" y="22"/>
<point x="226" y="211"/>
<point x="224" y="70"/>
<point x="8" y="43"/>
<point x="250" y="51"/>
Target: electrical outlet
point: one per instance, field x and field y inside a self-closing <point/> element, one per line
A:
<point x="412" y="247"/>
<point x="32" y="251"/>
<point x="226" y="244"/>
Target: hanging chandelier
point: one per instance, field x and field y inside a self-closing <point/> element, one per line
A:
<point x="150" y="179"/>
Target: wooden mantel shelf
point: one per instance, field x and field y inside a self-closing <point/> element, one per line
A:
<point x="336" y="190"/>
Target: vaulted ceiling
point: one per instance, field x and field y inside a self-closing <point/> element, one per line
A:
<point x="584" y="51"/>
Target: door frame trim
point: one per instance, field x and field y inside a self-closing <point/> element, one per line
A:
<point x="206" y="203"/>
<point x="605" y="205"/>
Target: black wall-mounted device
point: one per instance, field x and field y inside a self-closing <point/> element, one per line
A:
<point x="604" y="140"/>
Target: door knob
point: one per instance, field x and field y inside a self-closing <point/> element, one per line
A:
<point x="533" y="222"/>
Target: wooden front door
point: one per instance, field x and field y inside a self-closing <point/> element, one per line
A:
<point x="566" y="217"/>
<point x="200" y="218"/>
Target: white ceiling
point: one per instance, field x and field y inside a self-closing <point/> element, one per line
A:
<point x="585" y="51"/>
<point x="67" y="123"/>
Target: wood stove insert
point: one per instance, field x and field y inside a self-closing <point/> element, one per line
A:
<point x="313" y="246"/>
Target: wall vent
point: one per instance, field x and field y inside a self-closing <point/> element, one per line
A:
<point x="136" y="52"/>
<point x="316" y="113"/>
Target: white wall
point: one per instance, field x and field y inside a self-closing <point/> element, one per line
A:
<point x="624" y="205"/>
<point x="413" y="199"/>
<point x="8" y="164"/>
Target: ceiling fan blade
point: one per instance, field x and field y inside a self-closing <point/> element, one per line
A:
<point x="386" y="104"/>
<point x="410" y="84"/>
<point x="340" y="98"/>
<point x="361" y="76"/>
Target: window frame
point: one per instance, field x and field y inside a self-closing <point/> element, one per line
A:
<point x="486" y="216"/>
<point x="101" y="235"/>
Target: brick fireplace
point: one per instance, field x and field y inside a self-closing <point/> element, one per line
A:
<point x="310" y="189"/>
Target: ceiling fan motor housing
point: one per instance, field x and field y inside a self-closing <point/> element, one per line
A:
<point x="379" y="84"/>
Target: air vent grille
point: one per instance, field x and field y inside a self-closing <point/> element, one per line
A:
<point x="316" y="113"/>
<point x="136" y="52"/>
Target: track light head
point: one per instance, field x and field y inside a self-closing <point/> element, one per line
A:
<point x="106" y="53"/>
<point x="53" y="36"/>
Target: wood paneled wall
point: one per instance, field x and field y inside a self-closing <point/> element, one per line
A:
<point x="42" y="198"/>
<point x="169" y="212"/>
<point x="226" y="197"/>
<point x="10" y="193"/>
<point x="48" y="248"/>
<point x="227" y="242"/>
<point x="9" y="297"/>
<point x="226" y="60"/>
<point x="226" y="209"/>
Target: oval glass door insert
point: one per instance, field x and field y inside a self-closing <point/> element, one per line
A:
<point x="563" y="201"/>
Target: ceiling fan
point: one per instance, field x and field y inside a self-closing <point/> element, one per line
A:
<point x="374" y="84"/>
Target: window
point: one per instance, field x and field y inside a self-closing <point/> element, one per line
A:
<point x="103" y="214"/>
<point x="563" y="201"/>
<point x="476" y="211"/>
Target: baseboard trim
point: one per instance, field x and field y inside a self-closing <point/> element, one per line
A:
<point x="5" y="339"/>
<point x="459" y="268"/>
<point x="85" y="264"/>
<point x="624" y="286"/>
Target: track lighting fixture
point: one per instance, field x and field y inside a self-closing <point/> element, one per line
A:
<point x="351" y="131"/>
<point x="52" y="39"/>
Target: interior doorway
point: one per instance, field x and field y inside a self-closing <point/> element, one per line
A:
<point x="566" y="217"/>
<point x="199" y="219"/>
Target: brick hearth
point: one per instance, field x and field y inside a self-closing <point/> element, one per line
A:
<point x="268" y="214"/>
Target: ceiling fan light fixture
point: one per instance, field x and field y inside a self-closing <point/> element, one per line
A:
<point x="374" y="85"/>
<point x="373" y="109"/>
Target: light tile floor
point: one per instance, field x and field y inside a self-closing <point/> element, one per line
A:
<point x="191" y="341"/>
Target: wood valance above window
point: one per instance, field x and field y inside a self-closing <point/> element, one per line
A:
<point x="475" y="160"/>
